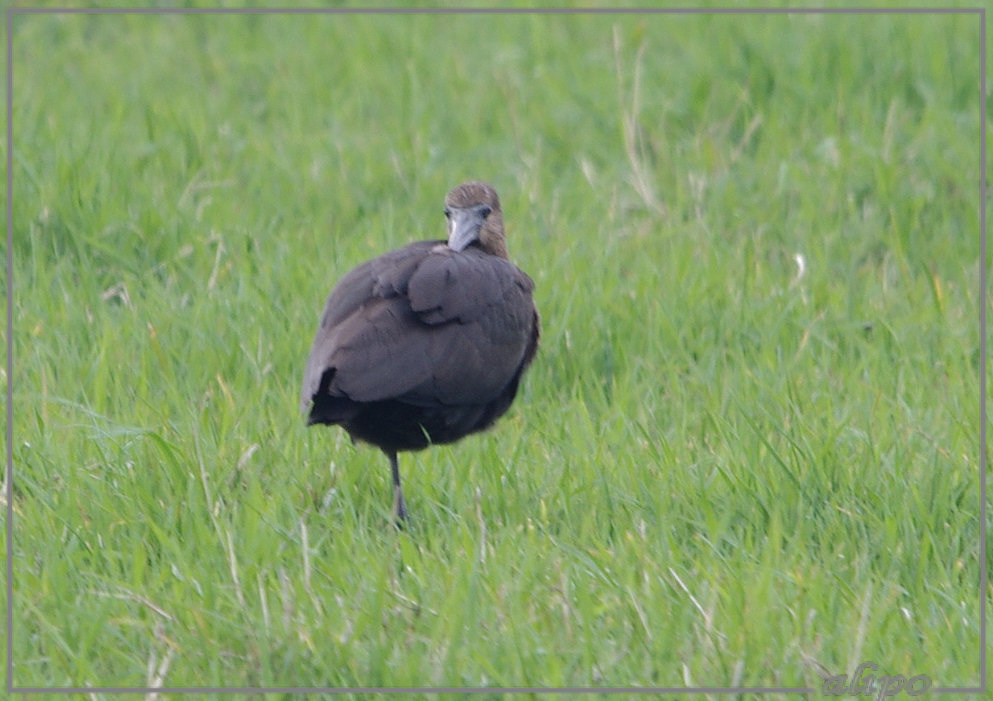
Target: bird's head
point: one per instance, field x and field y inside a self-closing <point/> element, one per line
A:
<point x="475" y="219"/>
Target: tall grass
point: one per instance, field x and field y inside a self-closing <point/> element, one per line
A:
<point x="746" y="455"/>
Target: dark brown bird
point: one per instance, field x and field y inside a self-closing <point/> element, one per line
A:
<point x="427" y="343"/>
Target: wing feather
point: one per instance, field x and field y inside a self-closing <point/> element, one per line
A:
<point x="426" y="325"/>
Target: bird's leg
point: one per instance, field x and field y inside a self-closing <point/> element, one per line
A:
<point x="399" y="508"/>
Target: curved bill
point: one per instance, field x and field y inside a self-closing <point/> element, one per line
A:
<point x="463" y="227"/>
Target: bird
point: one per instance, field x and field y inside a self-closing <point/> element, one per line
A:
<point x="425" y="344"/>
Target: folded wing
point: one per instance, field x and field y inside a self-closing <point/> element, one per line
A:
<point x="427" y="326"/>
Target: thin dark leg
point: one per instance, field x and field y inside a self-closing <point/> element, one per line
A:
<point x="399" y="508"/>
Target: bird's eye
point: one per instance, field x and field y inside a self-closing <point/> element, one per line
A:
<point x="485" y="211"/>
<point x="448" y="213"/>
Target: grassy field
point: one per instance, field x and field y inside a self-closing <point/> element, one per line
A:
<point x="746" y="455"/>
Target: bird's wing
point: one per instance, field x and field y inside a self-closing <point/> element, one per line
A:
<point x="450" y="328"/>
<point x="381" y="278"/>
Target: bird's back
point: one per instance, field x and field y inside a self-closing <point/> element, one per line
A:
<point x="421" y="345"/>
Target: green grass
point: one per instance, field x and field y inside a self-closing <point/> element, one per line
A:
<point x="719" y="471"/>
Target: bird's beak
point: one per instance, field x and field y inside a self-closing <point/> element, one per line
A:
<point x="463" y="227"/>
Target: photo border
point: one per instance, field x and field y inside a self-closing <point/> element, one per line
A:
<point x="9" y="472"/>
